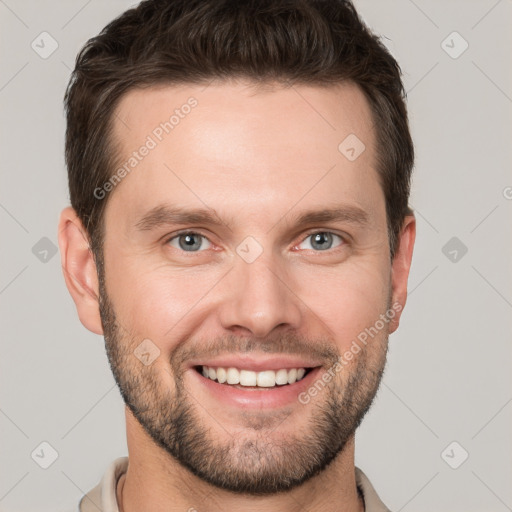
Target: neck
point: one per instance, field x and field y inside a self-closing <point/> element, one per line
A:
<point x="156" y="481"/>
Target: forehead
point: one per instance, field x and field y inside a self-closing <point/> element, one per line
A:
<point x="307" y="112"/>
<point x="251" y="148"/>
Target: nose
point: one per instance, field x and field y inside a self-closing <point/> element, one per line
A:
<point x="259" y="298"/>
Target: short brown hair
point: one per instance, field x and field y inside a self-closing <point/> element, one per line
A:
<point x="311" y="42"/>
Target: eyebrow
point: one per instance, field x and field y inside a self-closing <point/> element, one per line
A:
<point x="164" y="215"/>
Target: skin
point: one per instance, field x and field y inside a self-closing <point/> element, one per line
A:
<point x="258" y="158"/>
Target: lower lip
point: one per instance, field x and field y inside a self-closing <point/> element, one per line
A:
<point x="261" y="398"/>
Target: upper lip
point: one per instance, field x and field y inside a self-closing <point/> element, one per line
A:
<point x="258" y="364"/>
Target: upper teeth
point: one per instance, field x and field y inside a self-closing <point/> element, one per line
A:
<point x="266" y="379"/>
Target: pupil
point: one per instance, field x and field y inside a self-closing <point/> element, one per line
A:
<point x="320" y="238"/>
<point x="189" y="242"/>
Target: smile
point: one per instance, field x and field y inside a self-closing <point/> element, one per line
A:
<point x="250" y="389"/>
<point x="248" y="378"/>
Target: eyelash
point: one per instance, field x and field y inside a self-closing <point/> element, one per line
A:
<point x="188" y="232"/>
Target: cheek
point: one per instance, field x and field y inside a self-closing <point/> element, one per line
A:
<point x="348" y="299"/>
<point x="157" y="302"/>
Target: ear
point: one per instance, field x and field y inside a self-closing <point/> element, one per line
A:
<point x="79" y="269"/>
<point x="400" y="269"/>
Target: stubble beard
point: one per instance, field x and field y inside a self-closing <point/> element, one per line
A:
<point x="257" y="460"/>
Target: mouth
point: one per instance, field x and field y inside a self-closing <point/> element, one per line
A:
<point x="256" y="390"/>
<point x="248" y="379"/>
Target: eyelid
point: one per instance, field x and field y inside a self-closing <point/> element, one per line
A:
<point x="196" y="231"/>
<point x="314" y="231"/>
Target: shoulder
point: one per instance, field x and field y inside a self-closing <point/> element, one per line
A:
<point x="371" y="499"/>
<point x="103" y="495"/>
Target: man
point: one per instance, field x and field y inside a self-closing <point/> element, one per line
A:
<point x="239" y="175"/>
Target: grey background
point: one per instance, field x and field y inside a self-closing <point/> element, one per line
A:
<point x="448" y="376"/>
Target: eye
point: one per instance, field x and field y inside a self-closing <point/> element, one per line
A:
<point x="321" y="240"/>
<point x="189" y="241"/>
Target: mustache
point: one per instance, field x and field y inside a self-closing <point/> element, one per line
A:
<point x="288" y="343"/>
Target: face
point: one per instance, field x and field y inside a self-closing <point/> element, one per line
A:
<point x="211" y="261"/>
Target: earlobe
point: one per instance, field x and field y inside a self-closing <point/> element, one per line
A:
<point x="400" y="268"/>
<point x="79" y="269"/>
